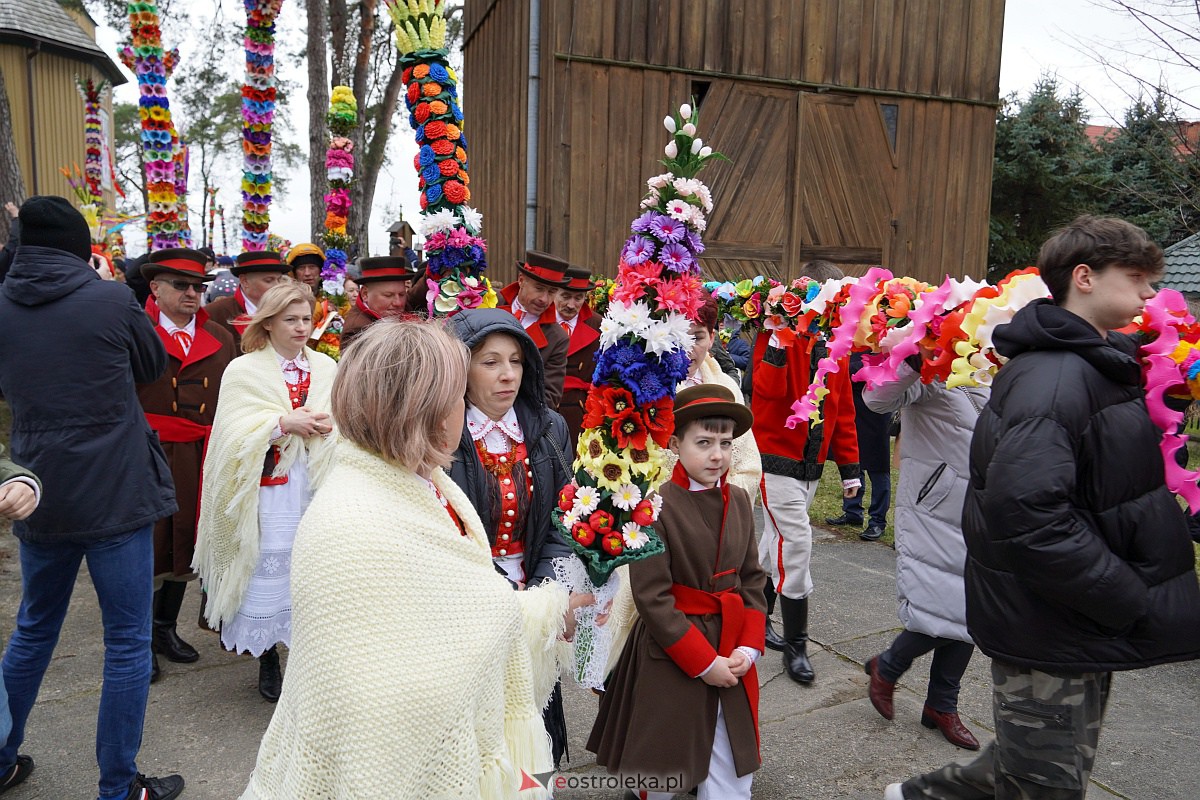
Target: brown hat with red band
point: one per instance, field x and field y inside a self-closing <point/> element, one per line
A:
<point x="386" y="268"/>
<point x="711" y="400"/>
<point x="259" y="261"/>
<point x="544" y="268"/>
<point x="578" y="279"/>
<point x="182" y="261"/>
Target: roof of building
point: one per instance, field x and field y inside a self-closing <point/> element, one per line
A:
<point x="44" y="24"/>
<point x="1182" y="260"/>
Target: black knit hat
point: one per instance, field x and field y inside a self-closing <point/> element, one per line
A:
<point x="49" y="221"/>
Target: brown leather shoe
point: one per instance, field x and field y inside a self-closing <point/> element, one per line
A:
<point x="881" y="691"/>
<point x="951" y="727"/>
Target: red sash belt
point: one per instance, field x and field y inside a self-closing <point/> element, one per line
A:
<point x="180" y="430"/>
<point x="727" y="603"/>
<point x="572" y="382"/>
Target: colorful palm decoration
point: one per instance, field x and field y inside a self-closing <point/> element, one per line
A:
<point x="258" y="116"/>
<point x="608" y="510"/>
<point x="455" y="250"/>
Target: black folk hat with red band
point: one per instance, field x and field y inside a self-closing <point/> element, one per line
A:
<point x="259" y="261"/>
<point x="578" y="279"/>
<point x="181" y="261"/>
<point x="544" y="268"/>
<point x="711" y="400"/>
<point x="377" y="269"/>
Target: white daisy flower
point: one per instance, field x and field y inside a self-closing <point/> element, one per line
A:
<point x="627" y="496"/>
<point x="677" y="326"/>
<point x="705" y="197"/>
<point x="687" y="186"/>
<point x="680" y="209"/>
<point x="633" y="536"/>
<point x="587" y="500"/>
<point x="610" y="331"/>
<point x="695" y="217"/>
<point x="570" y="518"/>
<point x="656" y="504"/>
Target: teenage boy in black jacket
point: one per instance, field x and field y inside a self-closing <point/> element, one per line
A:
<point x="1079" y="561"/>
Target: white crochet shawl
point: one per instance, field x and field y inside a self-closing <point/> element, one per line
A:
<point x="415" y="670"/>
<point x="252" y="399"/>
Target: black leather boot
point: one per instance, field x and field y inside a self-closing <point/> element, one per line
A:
<point x="167" y="602"/>
<point x="155" y="672"/>
<point x="774" y="640"/>
<point x="270" y="679"/>
<point x="795" y="635"/>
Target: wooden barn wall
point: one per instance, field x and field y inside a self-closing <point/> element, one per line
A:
<point x="810" y="175"/>
<point x="944" y="48"/>
<point x="495" y="97"/>
<point x="58" y="116"/>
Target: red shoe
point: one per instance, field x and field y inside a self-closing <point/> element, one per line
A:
<point x="881" y="691"/>
<point x="951" y="727"/>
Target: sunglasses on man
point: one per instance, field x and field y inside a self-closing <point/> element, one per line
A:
<point x="182" y="286"/>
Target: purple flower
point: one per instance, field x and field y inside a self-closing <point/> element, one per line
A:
<point x="676" y="256"/>
<point x="642" y="223"/>
<point x="637" y="250"/>
<point x="693" y="241"/>
<point x="667" y="229"/>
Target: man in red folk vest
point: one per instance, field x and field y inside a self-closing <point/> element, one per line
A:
<point x="180" y="407"/>
<point x="531" y="300"/>
<point x="256" y="272"/>
<point x="582" y="326"/>
<point x="383" y="292"/>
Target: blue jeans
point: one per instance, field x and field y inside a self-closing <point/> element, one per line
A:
<point x="122" y="569"/>
<point x="881" y="499"/>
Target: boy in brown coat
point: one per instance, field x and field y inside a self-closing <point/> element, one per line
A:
<point x="681" y="707"/>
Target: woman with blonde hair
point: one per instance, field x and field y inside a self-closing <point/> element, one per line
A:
<point x="415" y="671"/>
<point x="271" y="444"/>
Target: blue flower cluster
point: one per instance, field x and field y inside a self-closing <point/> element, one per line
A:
<point x="650" y="378"/>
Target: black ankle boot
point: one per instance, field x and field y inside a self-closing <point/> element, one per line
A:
<point x="774" y="640"/>
<point x="270" y="679"/>
<point x="167" y="602"/>
<point x="155" y="672"/>
<point x="795" y="635"/>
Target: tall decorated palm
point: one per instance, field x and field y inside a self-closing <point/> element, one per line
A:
<point x="455" y="252"/>
<point x="608" y="510"/>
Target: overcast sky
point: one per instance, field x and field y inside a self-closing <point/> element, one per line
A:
<point x="1041" y="37"/>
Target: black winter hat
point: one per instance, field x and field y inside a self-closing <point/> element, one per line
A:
<point x="50" y="221"/>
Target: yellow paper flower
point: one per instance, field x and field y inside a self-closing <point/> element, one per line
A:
<point x="610" y="471"/>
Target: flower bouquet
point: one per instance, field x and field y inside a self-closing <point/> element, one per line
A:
<point x="333" y="304"/>
<point x="258" y="115"/>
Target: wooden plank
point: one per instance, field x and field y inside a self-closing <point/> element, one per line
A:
<point x="782" y="26"/>
<point x="622" y="20"/>
<point x="817" y="43"/>
<point x="952" y="49"/>
<point x="914" y="46"/>
<point x="599" y="158"/>
<point x="639" y="28"/>
<point x="735" y="54"/>
<point x="752" y="251"/>
<point x="847" y="27"/>
<point x="691" y="35"/>
<point x="956" y="220"/>
<point x="716" y="55"/>
<point x="841" y="255"/>
<point x="754" y="37"/>
<point x="863" y="72"/>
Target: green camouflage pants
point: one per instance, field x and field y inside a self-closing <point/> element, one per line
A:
<point x="1047" y="727"/>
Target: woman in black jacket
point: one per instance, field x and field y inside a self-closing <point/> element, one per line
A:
<point x="511" y="461"/>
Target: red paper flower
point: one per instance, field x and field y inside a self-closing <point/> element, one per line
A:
<point x="456" y="192"/>
<point x="583" y="534"/>
<point x="612" y="544"/>
<point x="435" y="130"/>
<point x="643" y="513"/>
<point x="421" y="113"/>
<point x="566" y="497"/>
<point x="601" y="522"/>
<point x="616" y="401"/>
<point x="629" y="430"/>
<point x="660" y="421"/>
<point x="593" y="410"/>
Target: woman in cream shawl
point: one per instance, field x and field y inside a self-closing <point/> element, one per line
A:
<point x="272" y="442"/>
<point x="415" y="671"/>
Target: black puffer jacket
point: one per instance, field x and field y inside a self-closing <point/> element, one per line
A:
<point x="74" y="346"/>
<point x="1078" y="557"/>
<point x="543" y="428"/>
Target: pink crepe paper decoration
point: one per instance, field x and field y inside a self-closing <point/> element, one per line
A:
<point x="883" y="370"/>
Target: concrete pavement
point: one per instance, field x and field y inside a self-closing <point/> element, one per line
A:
<point x="205" y="719"/>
